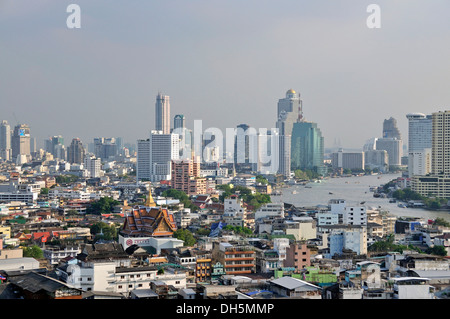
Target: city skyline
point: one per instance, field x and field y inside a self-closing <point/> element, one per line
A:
<point x="102" y="79"/>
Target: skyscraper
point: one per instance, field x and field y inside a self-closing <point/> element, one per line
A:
<point x="76" y="152"/>
<point x="55" y="145"/>
<point x="437" y="183"/>
<point x="179" y="122"/>
<point x="155" y="156"/>
<point x="307" y="147"/>
<point x="289" y="111"/>
<point x="5" y="141"/>
<point x="291" y="105"/>
<point x="390" y="129"/>
<point x="105" y="147"/>
<point x="394" y="148"/>
<point x="20" y="141"/>
<point x="440" y="143"/>
<point x="162" y="113"/>
<point x="419" y="143"/>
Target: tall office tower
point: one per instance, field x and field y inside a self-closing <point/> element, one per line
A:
<point x="244" y="146"/>
<point x="143" y="167"/>
<point x="119" y="145"/>
<point x="419" y="131"/>
<point x="33" y="147"/>
<point x="291" y="105"/>
<point x="284" y="155"/>
<point x="5" y="141"/>
<point x="394" y="148"/>
<point x="55" y="146"/>
<point x="105" y="147"/>
<point x="307" y="147"/>
<point x="419" y="143"/>
<point x="390" y="129"/>
<point x="93" y="166"/>
<point x="440" y="144"/>
<point x="179" y="122"/>
<point x="162" y="113"/>
<point x="161" y="149"/>
<point x="185" y="135"/>
<point x="20" y="141"/>
<point x="76" y="152"/>
<point x="268" y="152"/>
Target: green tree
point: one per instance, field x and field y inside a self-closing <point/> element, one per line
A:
<point x="104" y="205"/>
<point x="437" y="250"/>
<point x="181" y="196"/>
<point x="186" y="236"/>
<point x="44" y="191"/>
<point x="33" y="251"/>
<point x="104" y="231"/>
<point x="441" y="222"/>
<point x="261" y="180"/>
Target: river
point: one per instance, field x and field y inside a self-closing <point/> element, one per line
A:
<point x="354" y="190"/>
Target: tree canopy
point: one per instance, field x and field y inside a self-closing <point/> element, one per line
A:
<point x="186" y="236"/>
<point x="104" y="205"/>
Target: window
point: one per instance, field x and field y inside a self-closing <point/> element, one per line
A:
<point x="120" y="286"/>
<point x="177" y="282"/>
<point x="130" y="286"/>
<point x="89" y="279"/>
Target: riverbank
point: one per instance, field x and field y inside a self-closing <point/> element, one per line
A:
<point x="355" y="190"/>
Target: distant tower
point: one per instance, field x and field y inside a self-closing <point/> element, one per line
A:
<point x="179" y="122"/>
<point x="76" y="152"/>
<point x="162" y="113"/>
<point x="5" y="141"/>
<point x="21" y="141"/>
<point x="390" y="129"/>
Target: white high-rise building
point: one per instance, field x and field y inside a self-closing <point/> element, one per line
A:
<point x="394" y="148"/>
<point x="155" y="156"/>
<point x="419" y="162"/>
<point x="93" y="166"/>
<point x="419" y="143"/>
<point x="5" y="141"/>
<point x="437" y="183"/>
<point x="419" y="131"/>
<point x="162" y="113"/>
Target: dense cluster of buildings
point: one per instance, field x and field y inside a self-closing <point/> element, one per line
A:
<point x="214" y="246"/>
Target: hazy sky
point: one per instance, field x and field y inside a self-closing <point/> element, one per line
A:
<point x="226" y="62"/>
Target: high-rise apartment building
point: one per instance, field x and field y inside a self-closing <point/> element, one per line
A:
<point x="440" y="144"/>
<point x="437" y="183"/>
<point x="186" y="177"/>
<point x="20" y="142"/>
<point x="162" y="113"/>
<point x="5" y="141"/>
<point x="93" y="166"/>
<point x="76" y="152"/>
